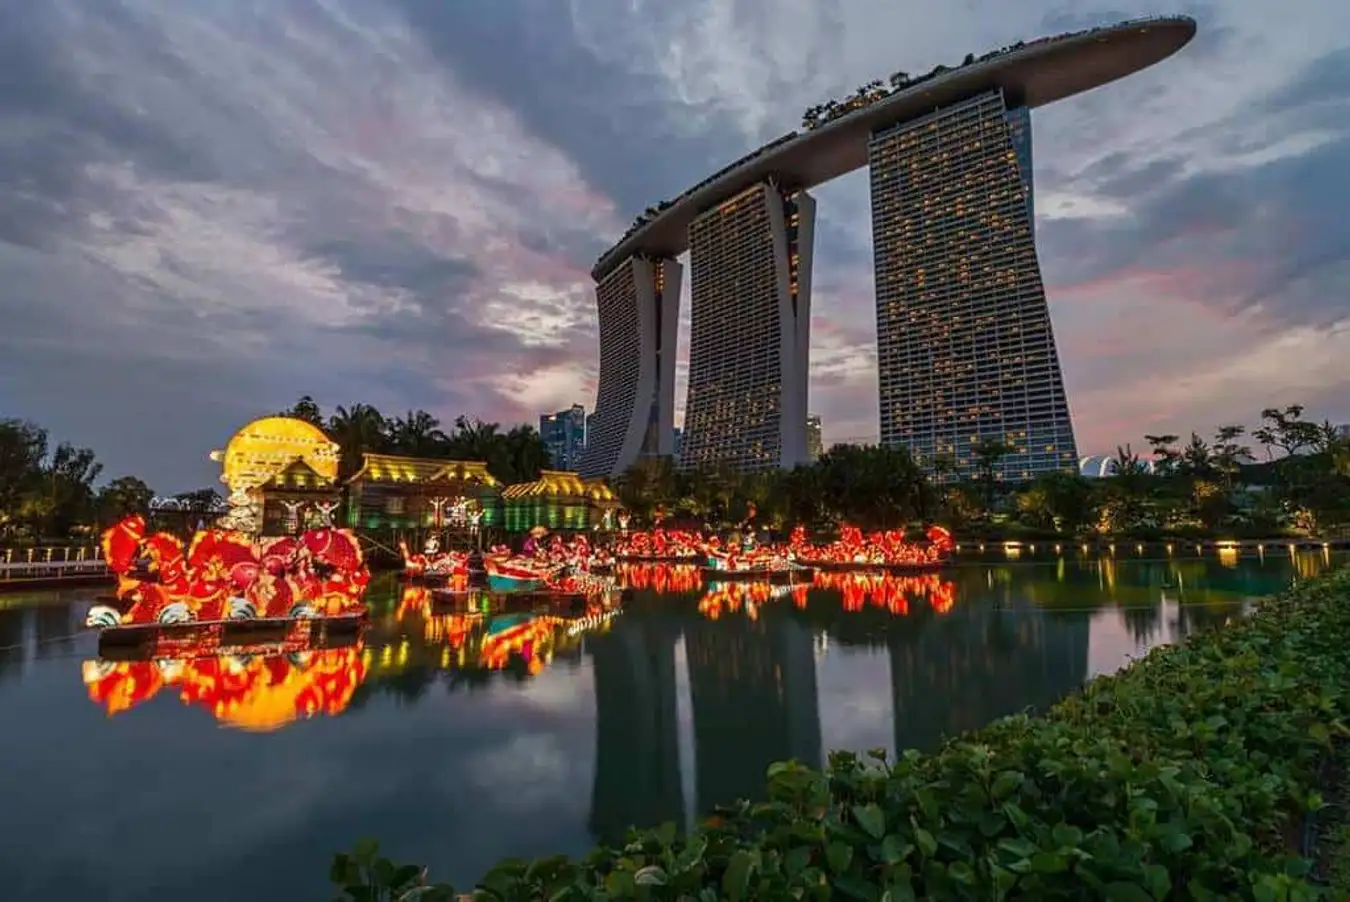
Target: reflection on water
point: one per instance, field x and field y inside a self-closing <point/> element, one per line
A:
<point x="250" y="692"/>
<point x="467" y="731"/>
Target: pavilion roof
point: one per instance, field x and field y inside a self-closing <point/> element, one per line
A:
<point x="396" y="468"/>
<point x="298" y="474"/>
<point x="559" y="484"/>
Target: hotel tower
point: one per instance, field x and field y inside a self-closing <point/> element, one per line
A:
<point x="965" y="350"/>
<point x="749" y="333"/>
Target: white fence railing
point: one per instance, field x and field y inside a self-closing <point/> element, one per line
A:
<point x="54" y="562"/>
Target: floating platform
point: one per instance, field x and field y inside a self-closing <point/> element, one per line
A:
<point x="758" y="575"/>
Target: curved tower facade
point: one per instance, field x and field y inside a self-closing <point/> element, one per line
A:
<point x="965" y="350"/>
<point x="639" y="307"/>
<point x="749" y="332"/>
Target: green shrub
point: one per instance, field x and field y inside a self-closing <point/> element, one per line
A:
<point x="1189" y="775"/>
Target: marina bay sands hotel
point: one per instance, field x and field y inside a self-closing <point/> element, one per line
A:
<point x="965" y="347"/>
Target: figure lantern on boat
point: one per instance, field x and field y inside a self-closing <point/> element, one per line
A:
<point x="661" y="545"/>
<point x="889" y="549"/>
<point x="228" y="576"/>
<point x="548" y="563"/>
<point x="433" y="564"/>
<point x="741" y="557"/>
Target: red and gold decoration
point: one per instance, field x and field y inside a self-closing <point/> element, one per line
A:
<point x="227" y="576"/>
<point x="888" y="549"/>
<point x="660" y="545"/>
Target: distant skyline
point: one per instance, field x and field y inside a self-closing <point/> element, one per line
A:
<point x="208" y="210"/>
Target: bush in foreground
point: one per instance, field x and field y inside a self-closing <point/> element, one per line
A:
<point x="1195" y="774"/>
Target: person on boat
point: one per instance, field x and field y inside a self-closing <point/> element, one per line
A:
<point x="534" y="542"/>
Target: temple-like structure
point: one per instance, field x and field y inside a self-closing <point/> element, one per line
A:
<point x="413" y="493"/>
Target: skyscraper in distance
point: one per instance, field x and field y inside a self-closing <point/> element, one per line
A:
<point x="564" y="434"/>
<point x="815" y="445"/>
<point x="965" y="349"/>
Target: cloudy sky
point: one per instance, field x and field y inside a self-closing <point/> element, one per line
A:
<point x="210" y="207"/>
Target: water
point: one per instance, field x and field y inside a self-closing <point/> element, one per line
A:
<point x="680" y="704"/>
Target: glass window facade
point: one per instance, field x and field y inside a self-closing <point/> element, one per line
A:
<point x="749" y="263"/>
<point x="965" y="349"/>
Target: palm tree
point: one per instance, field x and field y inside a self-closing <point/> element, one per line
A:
<point x="417" y="434"/>
<point x="357" y="430"/>
<point x="524" y="454"/>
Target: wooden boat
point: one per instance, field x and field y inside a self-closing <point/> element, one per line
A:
<point x="516" y="574"/>
<point x="133" y="641"/>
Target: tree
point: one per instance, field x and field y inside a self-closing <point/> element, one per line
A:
<point x="417" y="434"/>
<point x="23" y="448"/>
<point x="1166" y="457"/>
<point x="523" y="455"/>
<point x="1227" y="453"/>
<point x="1061" y="501"/>
<point x="67" y="490"/>
<point x="123" y="497"/>
<point x="357" y="430"/>
<point x="1285" y="430"/>
<point x="308" y="410"/>
<point x="1196" y="460"/>
<point x="989" y="453"/>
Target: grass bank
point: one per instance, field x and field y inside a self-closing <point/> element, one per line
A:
<point x="1209" y="770"/>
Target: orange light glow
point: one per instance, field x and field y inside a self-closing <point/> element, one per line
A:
<point x="260" y="693"/>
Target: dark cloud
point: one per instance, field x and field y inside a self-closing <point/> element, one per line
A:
<point x="54" y="122"/>
<point x="616" y="124"/>
<point x="1273" y="224"/>
<point x="208" y="209"/>
<point x="397" y="261"/>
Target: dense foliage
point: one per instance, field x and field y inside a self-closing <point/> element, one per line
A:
<point x="1196" y="773"/>
<point x="515" y="455"/>
<point x="46" y="491"/>
<point x="1196" y="488"/>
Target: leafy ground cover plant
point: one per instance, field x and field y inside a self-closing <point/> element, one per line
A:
<point x="1191" y="775"/>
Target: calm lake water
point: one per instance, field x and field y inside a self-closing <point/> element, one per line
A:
<point x="678" y="705"/>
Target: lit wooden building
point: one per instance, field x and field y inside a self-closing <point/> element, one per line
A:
<point x="559" y="500"/>
<point x="395" y="492"/>
<point x="298" y="497"/>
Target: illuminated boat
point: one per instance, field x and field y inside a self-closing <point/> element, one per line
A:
<point x="226" y="577"/>
<point x="434" y="566"/>
<point x="887" y="551"/>
<point x="724" y="566"/>
<point x="517" y="574"/>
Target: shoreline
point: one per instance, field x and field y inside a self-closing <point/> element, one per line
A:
<point x="1203" y="763"/>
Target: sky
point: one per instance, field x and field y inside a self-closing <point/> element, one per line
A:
<point x="211" y="207"/>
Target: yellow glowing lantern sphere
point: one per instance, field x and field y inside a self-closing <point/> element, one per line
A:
<point x="264" y="446"/>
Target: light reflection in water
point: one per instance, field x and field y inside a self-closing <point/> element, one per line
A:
<point x="657" y="713"/>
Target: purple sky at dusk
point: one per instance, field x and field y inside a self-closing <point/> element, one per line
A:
<point x="210" y="208"/>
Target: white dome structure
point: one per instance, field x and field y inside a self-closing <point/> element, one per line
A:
<point x="1102" y="466"/>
